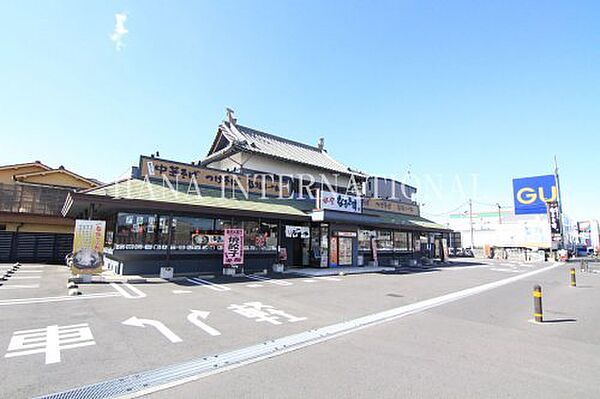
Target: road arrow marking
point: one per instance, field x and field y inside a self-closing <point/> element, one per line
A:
<point x="194" y="318"/>
<point x="164" y="330"/>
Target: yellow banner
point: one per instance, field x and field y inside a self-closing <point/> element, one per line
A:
<point x="88" y="246"/>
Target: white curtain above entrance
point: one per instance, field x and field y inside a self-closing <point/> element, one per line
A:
<point x="297" y="232"/>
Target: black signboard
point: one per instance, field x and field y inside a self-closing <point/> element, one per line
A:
<point x="554" y="220"/>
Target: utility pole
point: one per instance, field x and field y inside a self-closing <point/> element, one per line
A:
<point x="471" y="220"/>
<point x="560" y="213"/>
<point x="499" y="213"/>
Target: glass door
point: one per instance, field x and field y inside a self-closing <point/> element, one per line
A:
<point x="345" y="251"/>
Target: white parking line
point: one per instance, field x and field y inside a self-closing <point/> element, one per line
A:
<point x="328" y="278"/>
<point x="25" y="301"/>
<point x="31" y="271"/>
<point x="119" y="287"/>
<point x="25" y="277"/>
<point x="18" y="287"/>
<point x="254" y="285"/>
<point x="506" y="270"/>
<point x="309" y="280"/>
<point x="465" y="267"/>
<point x="208" y="284"/>
<point x="268" y="280"/>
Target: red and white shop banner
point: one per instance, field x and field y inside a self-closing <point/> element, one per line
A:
<point x="233" y="247"/>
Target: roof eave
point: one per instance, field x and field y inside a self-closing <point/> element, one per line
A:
<point x="69" y="209"/>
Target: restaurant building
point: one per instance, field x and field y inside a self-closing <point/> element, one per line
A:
<point x="296" y="204"/>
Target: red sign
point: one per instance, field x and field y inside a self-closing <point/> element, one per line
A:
<point x="233" y="247"/>
<point x="333" y="249"/>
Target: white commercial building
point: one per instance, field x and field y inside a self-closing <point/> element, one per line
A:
<point x="502" y="228"/>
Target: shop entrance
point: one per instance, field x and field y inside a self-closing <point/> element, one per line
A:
<point x="297" y="245"/>
<point x="299" y="252"/>
<point x="343" y="248"/>
<point x="345" y="251"/>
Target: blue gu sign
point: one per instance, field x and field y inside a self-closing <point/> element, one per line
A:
<point x="531" y="194"/>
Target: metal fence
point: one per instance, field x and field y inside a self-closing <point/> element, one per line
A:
<point x="18" y="198"/>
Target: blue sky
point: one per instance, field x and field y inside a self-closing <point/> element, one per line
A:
<point x="449" y="90"/>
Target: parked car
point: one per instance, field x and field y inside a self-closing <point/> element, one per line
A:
<point x="582" y="250"/>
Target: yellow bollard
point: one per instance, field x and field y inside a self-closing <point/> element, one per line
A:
<point x="538" y="313"/>
<point x="573" y="278"/>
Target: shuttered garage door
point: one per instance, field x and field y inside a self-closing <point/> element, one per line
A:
<point x="6" y="238"/>
<point x="34" y="247"/>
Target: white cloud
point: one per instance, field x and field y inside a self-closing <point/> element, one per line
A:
<point x="120" y="30"/>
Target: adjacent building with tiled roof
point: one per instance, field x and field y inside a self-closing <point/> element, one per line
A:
<point x="32" y="227"/>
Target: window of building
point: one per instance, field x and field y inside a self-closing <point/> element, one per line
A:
<point x="192" y="233"/>
<point x="364" y="239"/>
<point x="163" y="230"/>
<point x="109" y="238"/>
<point x="222" y="224"/>
<point x="259" y="236"/>
<point x="402" y="241"/>
<point x="269" y="232"/>
<point x="252" y="239"/>
<point x="384" y="240"/>
<point x="135" y="230"/>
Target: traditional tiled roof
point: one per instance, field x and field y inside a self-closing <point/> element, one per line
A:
<point x="17" y="166"/>
<point x="61" y="170"/>
<point x="242" y="138"/>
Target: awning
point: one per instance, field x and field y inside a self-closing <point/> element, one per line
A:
<point x="137" y="195"/>
<point x="376" y="219"/>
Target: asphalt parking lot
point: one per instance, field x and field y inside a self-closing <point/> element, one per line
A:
<point x="54" y="342"/>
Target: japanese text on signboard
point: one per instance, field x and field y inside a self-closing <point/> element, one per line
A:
<point x="340" y="202"/>
<point x="233" y="247"/>
<point x="390" y="206"/>
<point x="88" y="246"/>
<point x="554" y="220"/>
<point x="182" y="173"/>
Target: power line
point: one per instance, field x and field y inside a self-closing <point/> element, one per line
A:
<point x="448" y="212"/>
<point x="495" y="204"/>
<point x="466" y="203"/>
